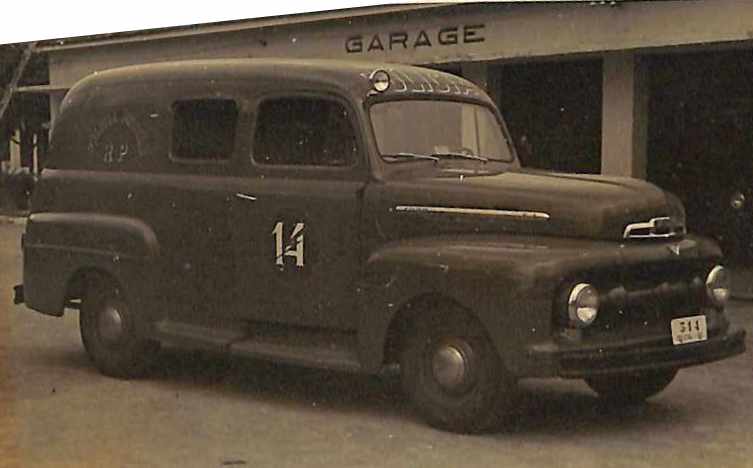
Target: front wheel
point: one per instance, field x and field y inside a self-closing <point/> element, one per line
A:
<point x="453" y="374"/>
<point x="109" y="333"/>
<point x="631" y="388"/>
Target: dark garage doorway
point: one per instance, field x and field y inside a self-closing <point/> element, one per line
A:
<point x="555" y="108"/>
<point x="701" y="142"/>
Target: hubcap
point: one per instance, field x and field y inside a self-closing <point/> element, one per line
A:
<point x="110" y="324"/>
<point x="450" y="366"/>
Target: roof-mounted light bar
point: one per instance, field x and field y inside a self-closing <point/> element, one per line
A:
<point x="380" y="80"/>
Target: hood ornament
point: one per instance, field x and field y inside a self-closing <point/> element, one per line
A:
<point x="662" y="227"/>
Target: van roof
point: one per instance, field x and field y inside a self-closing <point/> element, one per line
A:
<point x="349" y="76"/>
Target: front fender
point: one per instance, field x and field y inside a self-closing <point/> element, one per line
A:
<point x="58" y="245"/>
<point x="509" y="283"/>
<point x="491" y="279"/>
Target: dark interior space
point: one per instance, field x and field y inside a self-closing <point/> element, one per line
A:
<point x="700" y="141"/>
<point x="553" y="111"/>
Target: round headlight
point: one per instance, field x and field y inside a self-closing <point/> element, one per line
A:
<point x="380" y="80"/>
<point x="583" y="305"/>
<point x="718" y="285"/>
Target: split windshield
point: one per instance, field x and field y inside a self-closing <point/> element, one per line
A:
<point x="423" y="129"/>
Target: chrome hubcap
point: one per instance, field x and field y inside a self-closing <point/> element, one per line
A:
<point x="450" y="367"/>
<point x="110" y="324"/>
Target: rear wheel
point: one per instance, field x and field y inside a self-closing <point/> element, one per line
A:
<point x="109" y="333"/>
<point x="453" y="374"/>
<point x="631" y="388"/>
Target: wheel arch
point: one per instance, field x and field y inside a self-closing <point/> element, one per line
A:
<point x="78" y="281"/>
<point x="405" y="316"/>
<point x="384" y="324"/>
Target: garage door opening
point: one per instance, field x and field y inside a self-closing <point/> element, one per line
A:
<point x="701" y="142"/>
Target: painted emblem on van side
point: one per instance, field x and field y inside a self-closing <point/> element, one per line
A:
<point x="114" y="140"/>
<point x="292" y="248"/>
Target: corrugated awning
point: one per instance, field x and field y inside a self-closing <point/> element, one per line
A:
<point x="225" y="26"/>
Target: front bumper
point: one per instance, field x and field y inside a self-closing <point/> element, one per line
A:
<point x="635" y="357"/>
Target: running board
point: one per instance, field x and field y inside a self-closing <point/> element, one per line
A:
<point x="271" y="342"/>
<point x="195" y="336"/>
<point x="324" y="357"/>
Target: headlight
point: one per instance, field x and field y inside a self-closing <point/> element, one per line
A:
<point x="718" y="286"/>
<point x="583" y="305"/>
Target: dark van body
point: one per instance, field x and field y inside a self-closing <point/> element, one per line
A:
<point x="351" y="216"/>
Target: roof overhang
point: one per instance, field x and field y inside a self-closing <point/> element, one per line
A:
<point x="127" y="37"/>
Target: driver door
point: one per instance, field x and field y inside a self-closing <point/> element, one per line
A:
<point x="297" y="218"/>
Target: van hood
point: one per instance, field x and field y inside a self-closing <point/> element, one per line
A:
<point x="525" y="202"/>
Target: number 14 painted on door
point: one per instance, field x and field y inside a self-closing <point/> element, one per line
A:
<point x="292" y="248"/>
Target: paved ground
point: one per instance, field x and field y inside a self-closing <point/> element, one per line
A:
<point x="208" y="411"/>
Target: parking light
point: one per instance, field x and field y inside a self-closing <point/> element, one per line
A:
<point x="718" y="286"/>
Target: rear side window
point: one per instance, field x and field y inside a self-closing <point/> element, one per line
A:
<point x="204" y="129"/>
<point x="304" y="131"/>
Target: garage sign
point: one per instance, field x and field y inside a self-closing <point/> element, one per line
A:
<point x="404" y="40"/>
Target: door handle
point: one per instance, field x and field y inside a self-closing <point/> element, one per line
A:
<point x="243" y="196"/>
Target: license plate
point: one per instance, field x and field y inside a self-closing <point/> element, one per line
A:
<point x="689" y="329"/>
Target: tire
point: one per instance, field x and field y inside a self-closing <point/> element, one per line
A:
<point x="631" y="388"/>
<point x="469" y="401"/>
<point x="110" y="338"/>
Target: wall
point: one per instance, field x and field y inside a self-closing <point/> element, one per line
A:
<point x="443" y="34"/>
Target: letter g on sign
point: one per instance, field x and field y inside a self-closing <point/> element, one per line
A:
<point x="354" y="44"/>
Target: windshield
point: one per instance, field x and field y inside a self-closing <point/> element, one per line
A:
<point x="434" y="129"/>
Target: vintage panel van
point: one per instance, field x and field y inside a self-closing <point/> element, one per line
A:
<point x="353" y="216"/>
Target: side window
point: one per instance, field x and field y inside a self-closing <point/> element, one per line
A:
<point x="204" y="129"/>
<point x="304" y="131"/>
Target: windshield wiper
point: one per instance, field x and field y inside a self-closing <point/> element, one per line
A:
<point x="452" y="154"/>
<point x="429" y="157"/>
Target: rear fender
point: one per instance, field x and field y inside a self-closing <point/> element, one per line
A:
<point x="57" y="246"/>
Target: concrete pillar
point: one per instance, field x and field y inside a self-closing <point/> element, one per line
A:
<point x="15" y="150"/>
<point x="485" y="77"/>
<point x="56" y="99"/>
<point x="494" y="84"/>
<point x="624" y="124"/>
<point x="43" y="147"/>
<point x="477" y="73"/>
